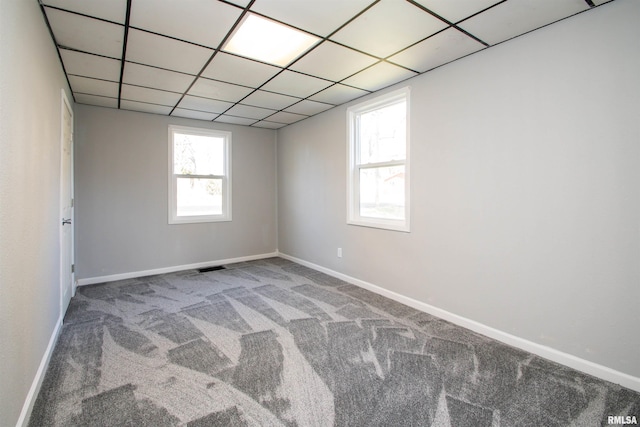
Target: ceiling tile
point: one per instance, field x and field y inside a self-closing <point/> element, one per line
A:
<point x="93" y="86"/>
<point x="269" y="125"/>
<point x="454" y="11"/>
<point x="241" y="3"/>
<point x="99" y="101"/>
<point x="338" y="94"/>
<point x="204" y="104"/>
<point x="388" y="27"/>
<point x="234" y="69"/>
<point x="283" y="117"/>
<point x="190" y="114"/>
<point x="163" y="52"/>
<point x="513" y="18"/>
<point x="204" y="22"/>
<point x="84" y="64"/>
<point x="249" y="112"/>
<point x="86" y="34"/>
<point x="320" y="17"/>
<point x="235" y="120"/>
<point x="308" y="108"/>
<point x="379" y="76"/>
<point x="219" y="90"/>
<point x="444" y="47"/>
<point x="333" y="62"/>
<point x="111" y="10"/>
<point x="295" y="84"/>
<point x="271" y="100"/>
<point x="145" y="108"/>
<point x="142" y="75"/>
<point x="153" y="96"/>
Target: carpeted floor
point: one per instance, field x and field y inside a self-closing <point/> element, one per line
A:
<point x="274" y="343"/>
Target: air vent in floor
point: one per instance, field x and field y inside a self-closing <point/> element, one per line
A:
<point x="216" y="268"/>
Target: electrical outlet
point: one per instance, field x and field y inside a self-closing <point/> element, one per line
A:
<point x="339" y="252"/>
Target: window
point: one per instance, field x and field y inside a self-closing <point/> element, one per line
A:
<point x="199" y="175"/>
<point x="379" y="162"/>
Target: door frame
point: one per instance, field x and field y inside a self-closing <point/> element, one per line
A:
<point x="65" y="104"/>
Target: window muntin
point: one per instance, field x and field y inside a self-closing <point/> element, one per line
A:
<point x="199" y="175"/>
<point x="379" y="162"/>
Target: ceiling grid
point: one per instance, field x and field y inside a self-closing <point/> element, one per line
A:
<point x="167" y="57"/>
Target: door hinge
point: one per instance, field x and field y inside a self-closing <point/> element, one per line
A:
<point x="73" y="268"/>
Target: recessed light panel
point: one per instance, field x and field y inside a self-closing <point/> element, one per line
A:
<point x="268" y="41"/>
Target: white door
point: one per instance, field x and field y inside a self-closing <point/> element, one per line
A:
<point x="66" y="206"/>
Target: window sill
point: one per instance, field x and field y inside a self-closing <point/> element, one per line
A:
<point x="390" y="225"/>
<point x="198" y="219"/>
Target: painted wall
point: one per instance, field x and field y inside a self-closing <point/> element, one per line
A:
<point x="31" y="80"/>
<point x="121" y="173"/>
<point x="525" y="190"/>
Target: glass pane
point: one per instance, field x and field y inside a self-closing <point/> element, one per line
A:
<point x="199" y="196"/>
<point x="382" y="134"/>
<point x="382" y="192"/>
<point x="198" y="155"/>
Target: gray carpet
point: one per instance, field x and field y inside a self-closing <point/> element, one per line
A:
<point x="274" y="343"/>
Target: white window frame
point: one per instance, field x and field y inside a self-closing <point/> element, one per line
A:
<point x="226" y="177"/>
<point x="354" y="166"/>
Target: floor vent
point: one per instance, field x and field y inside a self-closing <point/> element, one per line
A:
<point x="216" y="268"/>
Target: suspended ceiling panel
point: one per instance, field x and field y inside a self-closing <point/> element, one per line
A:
<point x="168" y="57"/>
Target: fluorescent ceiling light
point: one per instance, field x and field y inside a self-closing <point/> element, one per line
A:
<point x="268" y="41"/>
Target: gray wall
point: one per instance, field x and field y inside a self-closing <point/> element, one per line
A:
<point x="525" y="187"/>
<point x="121" y="173"/>
<point x="31" y="80"/>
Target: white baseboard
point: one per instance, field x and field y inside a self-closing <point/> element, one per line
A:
<point x="549" y="353"/>
<point x="164" y="270"/>
<point x="37" y="381"/>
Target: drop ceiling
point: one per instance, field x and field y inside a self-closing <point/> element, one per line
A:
<point x="167" y="56"/>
